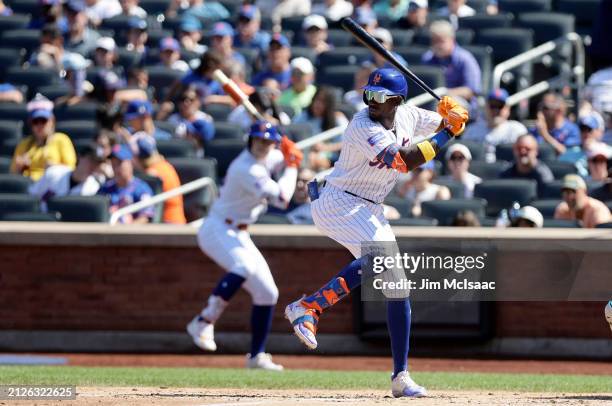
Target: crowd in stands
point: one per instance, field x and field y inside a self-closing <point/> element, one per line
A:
<point x="117" y="98"/>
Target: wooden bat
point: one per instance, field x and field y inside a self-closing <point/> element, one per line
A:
<point x="231" y="88"/>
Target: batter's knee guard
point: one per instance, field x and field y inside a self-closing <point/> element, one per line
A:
<point x="268" y="296"/>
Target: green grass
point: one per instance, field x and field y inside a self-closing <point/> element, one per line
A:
<point x="295" y="379"/>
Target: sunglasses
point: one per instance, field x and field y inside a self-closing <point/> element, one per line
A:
<point x="457" y="158"/>
<point x="39" y="121"/>
<point x="496" y="106"/>
<point x="378" y="96"/>
<point x="598" y="160"/>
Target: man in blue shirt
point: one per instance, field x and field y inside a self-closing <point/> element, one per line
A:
<point x="249" y="34"/>
<point x="125" y="189"/>
<point x="552" y="126"/>
<point x="278" y="68"/>
<point x="210" y="10"/>
<point x="461" y="70"/>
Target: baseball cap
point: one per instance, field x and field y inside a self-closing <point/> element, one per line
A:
<point x="222" y="29"/>
<point x="169" y="43"/>
<point x="573" y="182"/>
<point x="190" y="24"/>
<point x="280" y="39"/>
<point x="383" y="34"/>
<point x="40" y="107"/>
<point x="41" y="113"/>
<point x="106" y="43"/>
<point x="76" y="6"/>
<point x="500" y="95"/>
<point x="249" y="12"/>
<point x="415" y="4"/>
<point x="314" y="20"/>
<point x="146" y="146"/>
<point x="110" y="80"/>
<point x="588" y="121"/>
<point x="137" y="109"/>
<point x="122" y="152"/>
<point x="303" y="65"/>
<point x="203" y="129"/>
<point x="429" y="165"/>
<point x="532" y="214"/>
<point x="365" y="16"/>
<point x="74" y="61"/>
<point x="457" y="147"/>
<point x="136" y="23"/>
<point x="599" y="149"/>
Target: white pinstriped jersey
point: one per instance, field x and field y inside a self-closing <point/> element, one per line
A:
<point x="358" y="170"/>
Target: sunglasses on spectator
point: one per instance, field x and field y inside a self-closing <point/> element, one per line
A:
<point x="187" y="99"/>
<point x="585" y="128"/>
<point x="377" y="96"/>
<point x="496" y="105"/>
<point x="598" y="160"/>
<point x="39" y="121"/>
<point x="459" y="158"/>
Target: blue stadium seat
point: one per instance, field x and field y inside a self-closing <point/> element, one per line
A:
<point x="298" y="131"/>
<point x="18" y="203"/>
<point x="24" y="6"/>
<point x="546" y="26"/>
<point x="22" y="38"/>
<point x="156" y="186"/>
<point x="14" y="22"/>
<point x="501" y="193"/>
<point x="224" y="152"/>
<point x="155" y="7"/>
<point x="479" y="5"/>
<point x="546" y="206"/>
<point x="560" y="169"/>
<point x="414" y="222"/>
<point x="457" y="190"/>
<point x="401" y="37"/>
<point x="523" y="6"/>
<point x="12" y="183"/>
<point x="10" y="57"/>
<point x="479" y="21"/>
<point x="88" y="209"/>
<point x="269" y="218"/>
<point x="10" y="130"/>
<point x="401" y="204"/>
<point x="503" y="152"/>
<point x="304" y="52"/>
<point x="488" y="170"/>
<point x="197" y="203"/>
<point x="218" y="111"/>
<point x="165" y="126"/>
<point x="554" y="223"/>
<point x="5" y="164"/>
<point x="78" y="129"/>
<point x="343" y="56"/>
<point x="13" y="111"/>
<point x="604" y="225"/>
<point x="162" y="78"/>
<point x="176" y="148"/>
<point x="339" y="38"/>
<point x="584" y="12"/>
<point x="413" y="54"/>
<point x="53" y="92"/>
<point x="433" y="76"/>
<point x="445" y="211"/>
<point x="293" y="23"/>
<point x="33" y="77"/>
<point x="127" y="59"/>
<point x="463" y="36"/>
<point x="552" y="190"/>
<point x="79" y="111"/>
<point x="341" y="76"/>
<point x="484" y="57"/>
<point x="7" y="148"/>
<point x="30" y="216"/>
<point x="225" y="130"/>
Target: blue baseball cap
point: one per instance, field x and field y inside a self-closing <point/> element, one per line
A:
<point x="136" y="23"/>
<point x="122" y="152"/>
<point x="137" y="109"/>
<point x="76" y="5"/>
<point x="499" y="95"/>
<point x="203" y="129"/>
<point x="249" y="12"/>
<point x="431" y="165"/>
<point x="169" y="43"/>
<point x="265" y="130"/>
<point x="365" y="16"/>
<point x="280" y="39"/>
<point x="190" y="24"/>
<point x="146" y="146"/>
<point x="589" y="122"/>
<point x="41" y="113"/>
<point x="222" y="29"/>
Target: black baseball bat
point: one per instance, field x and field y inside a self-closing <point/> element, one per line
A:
<point x="372" y="43"/>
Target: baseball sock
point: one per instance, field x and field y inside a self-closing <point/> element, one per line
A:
<point x="261" y="321"/>
<point x="226" y="288"/>
<point x="398" y="322"/>
<point x="337" y="288"/>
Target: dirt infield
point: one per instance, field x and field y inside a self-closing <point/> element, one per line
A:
<point x="344" y="363"/>
<point x="239" y="397"/>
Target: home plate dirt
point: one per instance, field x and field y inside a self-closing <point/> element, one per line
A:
<point x="241" y="397"/>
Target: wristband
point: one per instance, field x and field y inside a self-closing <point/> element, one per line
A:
<point x="441" y="138"/>
<point x="427" y="150"/>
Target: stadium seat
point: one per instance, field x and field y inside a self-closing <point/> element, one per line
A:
<point x="546" y="206"/>
<point x="584" y="11"/>
<point x="10" y="130"/>
<point x="488" y="170"/>
<point x="250" y="55"/>
<point x="30" y="216"/>
<point x="218" y="111"/>
<point x="22" y="38"/>
<point x="12" y="183"/>
<point x="445" y="211"/>
<point x="224" y="151"/>
<point x="293" y="23"/>
<point x="462" y="36"/>
<point x="401" y="204"/>
<point x="555" y="223"/>
<point x="339" y="38"/>
<point x="78" y="129"/>
<point x="413" y="54"/>
<point x="401" y="37"/>
<point x="7" y="148"/>
<point x="155" y="7"/>
<point x="506" y="42"/>
<point x="304" y="52"/>
<point x="298" y="131"/>
<point x="5" y="164"/>
<point x="457" y="190"/>
<point x="552" y="190"/>
<point x="89" y="209"/>
<point x="288" y="110"/>
<point x="156" y="186"/>
<point x="176" y="148"/>
<point x="476" y="149"/>
<point x="18" y="203"/>
<point x="273" y="219"/>
<point x="80" y="145"/>
<point x="546" y="26"/>
<point x="79" y="111"/>
<point x="13" y="111"/>
<point x="343" y="56"/>
<point x="484" y="57"/>
<point x="479" y="5"/>
<point x="165" y="126"/>
<point x="14" y="22"/>
<point x="128" y="59"/>
<point x="503" y="152"/>
<point x="33" y="77"/>
<point x="341" y="76"/>
<point x="414" y="222"/>
<point x="53" y="92"/>
<point x="161" y="77"/>
<point x="225" y="130"/>
<point x="604" y="225"/>
<point x="232" y="5"/>
<point x="433" y="76"/>
<point x="24" y="6"/>
<point x="501" y="193"/>
<point x="560" y="168"/>
<point x="479" y="21"/>
<point x="197" y="203"/>
<point x="10" y="57"/>
<point x="523" y="6"/>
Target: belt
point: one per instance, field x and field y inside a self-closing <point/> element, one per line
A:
<point x="353" y="194"/>
<point x="241" y="227"/>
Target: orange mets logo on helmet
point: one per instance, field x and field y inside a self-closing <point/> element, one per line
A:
<point x="377" y="78"/>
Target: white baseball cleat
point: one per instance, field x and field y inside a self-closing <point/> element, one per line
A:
<point x="608" y="313"/>
<point x="202" y="333"/>
<point x="403" y="385"/>
<point x="304" y="321"/>
<point x="263" y="360"/>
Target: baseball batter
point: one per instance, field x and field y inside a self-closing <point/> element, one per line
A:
<point x="249" y="186"/>
<point x="377" y="145"/>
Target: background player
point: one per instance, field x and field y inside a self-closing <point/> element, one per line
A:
<point x="377" y="145"/>
<point x="223" y="236"/>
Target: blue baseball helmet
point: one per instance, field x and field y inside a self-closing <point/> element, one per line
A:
<point x="388" y="81"/>
<point x="265" y="130"/>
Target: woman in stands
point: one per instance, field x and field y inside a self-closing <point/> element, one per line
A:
<point x="420" y="188"/>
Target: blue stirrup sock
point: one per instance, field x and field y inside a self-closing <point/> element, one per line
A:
<point x="261" y="322"/>
<point x="398" y="323"/>
<point x="338" y="287"/>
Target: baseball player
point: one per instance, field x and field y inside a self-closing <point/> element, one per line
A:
<point x="248" y="188"/>
<point x="377" y="146"/>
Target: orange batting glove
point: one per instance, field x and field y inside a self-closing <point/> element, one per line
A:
<point x="454" y="114"/>
<point x="293" y="156"/>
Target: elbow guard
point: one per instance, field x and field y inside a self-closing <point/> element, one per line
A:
<point x="390" y="156"/>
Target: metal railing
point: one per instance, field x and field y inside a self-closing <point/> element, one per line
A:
<point x="162" y="197"/>
<point x="321" y="137"/>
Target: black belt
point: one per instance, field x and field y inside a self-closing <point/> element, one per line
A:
<point x="353" y="194"/>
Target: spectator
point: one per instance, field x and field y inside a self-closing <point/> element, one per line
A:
<point x="109" y="89"/>
<point x="125" y="189"/>
<point x="527" y="216"/>
<point x="299" y="95"/>
<point x="526" y="164"/>
<point x="591" y="132"/>
<point x="44" y="147"/>
<point x="391" y="9"/>
<point x="10" y="94"/>
<point x="170" y="55"/>
<point x="355" y="97"/>
<point x="79" y="38"/>
<point x="249" y="33"/>
<point x="552" y="125"/>
<point x="98" y="10"/>
<point x="265" y="105"/>
<point x="51" y="51"/>
<point x="454" y="10"/>
<point x="333" y="10"/>
<point x="137" y="36"/>
<point x="383" y="36"/>
<point x="209" y="10"/>
<point x="603" y="193"/>
<point x="105" y="55"/>
<point x="131" y="8"/>
<point x="419" y="187"/>
<point x="597" y="159"/>
<point x="279" y="9"/>
<point x="465" y="218"/>
<point x="279" y="54"/>
<point x="315" y="32"/>
<point x="461" y="71"/>
<point x="576" y="205"/>
<point x="190" y="35"/>
<point x="139" y="115"/>
<point x="189" y="112"/>
<point x="222" y="41"/>
<point x="599" y="89"/>
<point x="495" y="128"/>
<point x="61" y="180"/>
<point x="416" y="15"/>
<point x="138" y="78"/>
<point x="104" y="142"/>
<point x="5" y="10"/>
<point x="237" y="73"/>
<point x="298" y="211"/>
<point x="75" y="66"/>
<point x="458" y="158"/>
<point x="150" y="161"/>
<point x="199" y="133"/>
<point x="49" y="12"/>
<point x="365" y="16"/>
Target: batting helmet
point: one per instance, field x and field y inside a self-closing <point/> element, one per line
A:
<point x="387" y="81"/>
<point x="264" y="130"/>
